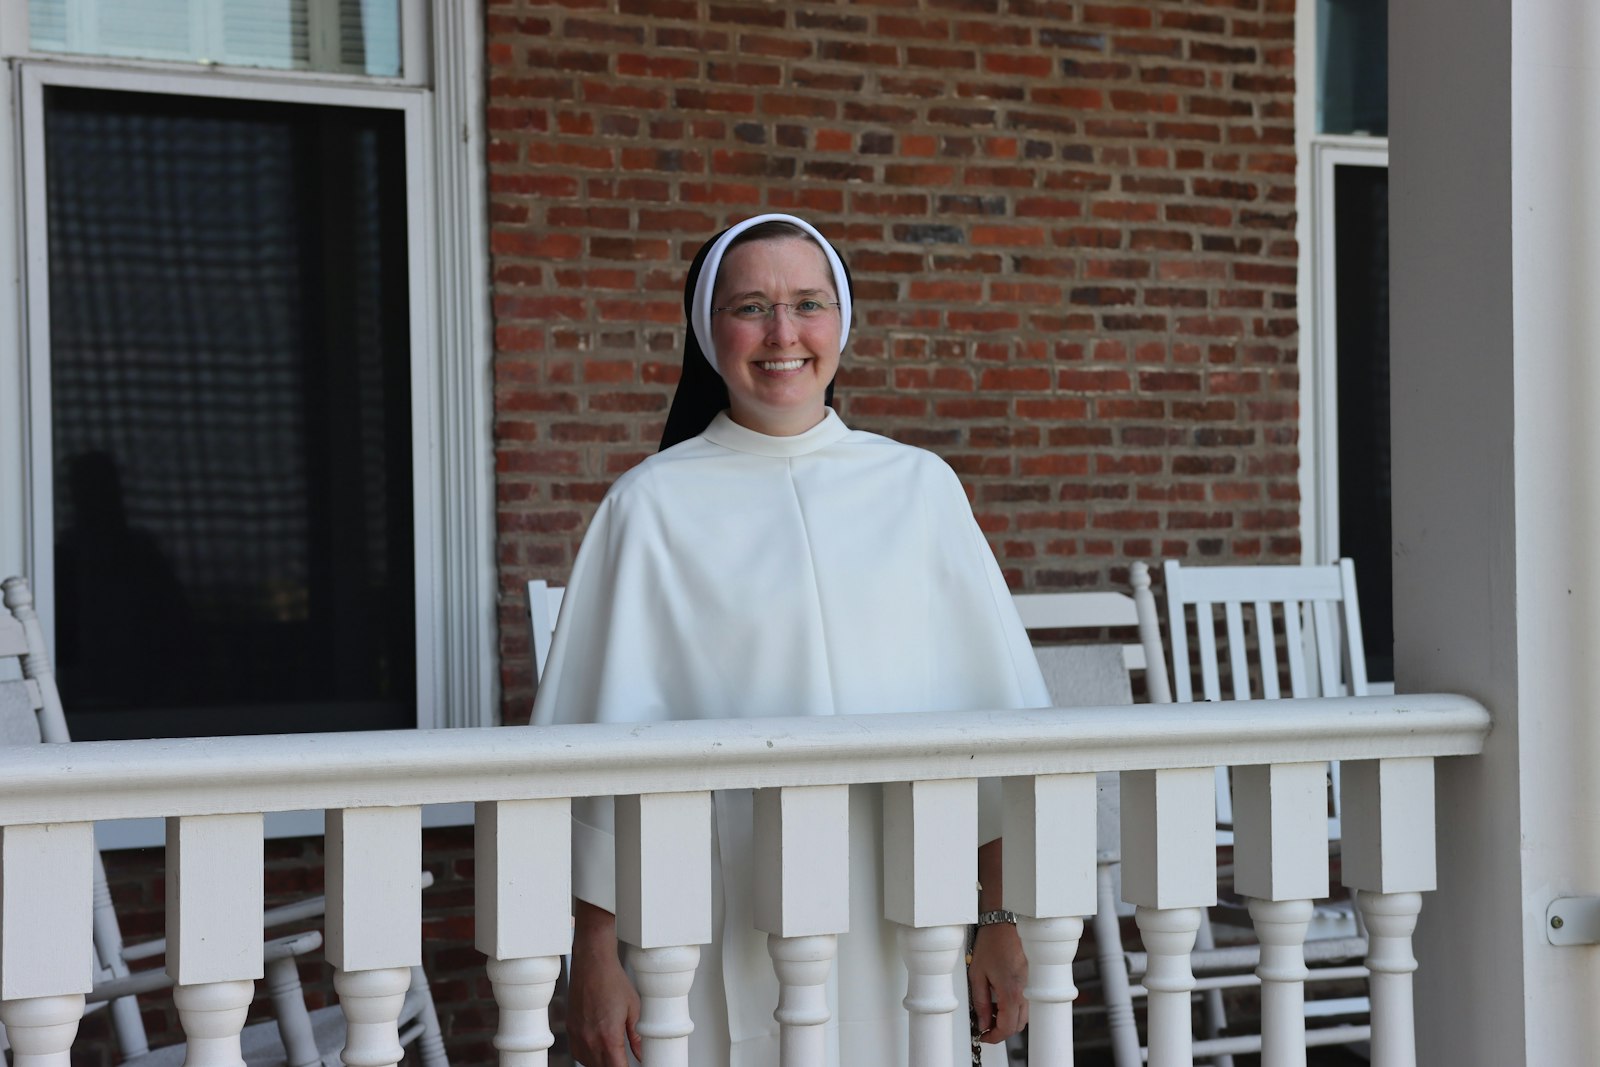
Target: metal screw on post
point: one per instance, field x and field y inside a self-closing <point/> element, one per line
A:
<point x="1556" y="922"/>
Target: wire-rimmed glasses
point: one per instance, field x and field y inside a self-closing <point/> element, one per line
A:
<point x="755" y="311"/>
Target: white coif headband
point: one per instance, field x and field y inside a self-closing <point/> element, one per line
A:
<point x="700" y="317"/>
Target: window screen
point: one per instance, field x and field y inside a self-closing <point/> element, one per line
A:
<point x="345" y="36"/>
<point x="230" y="415"/>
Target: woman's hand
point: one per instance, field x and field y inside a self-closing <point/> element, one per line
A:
<point x="999" y="969"/>
<point x="602" y="1005"/>
<point x="995" y="979"/>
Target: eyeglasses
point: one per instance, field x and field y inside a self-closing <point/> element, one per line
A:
<point x="751" y="311"/>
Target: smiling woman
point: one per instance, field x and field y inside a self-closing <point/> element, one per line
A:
<point x="770" y="561"/>
<point x="776" y="333"/>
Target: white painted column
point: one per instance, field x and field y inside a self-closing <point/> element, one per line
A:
<point x="523" y="897"/>
<point x="664" y="911"/>
<point x="802" y="901"/>
<point x="1389" y="860"/>
<point x="1281" y="863"/>
<point x="1048" y="879"/>
<point x="930" y="879"/>
<point x="46" y="938"/>
<point x="214" y="909"/>
<point x="374" y="885"/>
<point x="1169" y="871"/>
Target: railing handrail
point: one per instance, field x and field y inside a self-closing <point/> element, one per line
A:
<point x="89" y="781"/>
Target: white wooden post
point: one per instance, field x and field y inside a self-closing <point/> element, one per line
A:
<point x="46" y="938"/>
<point x="664" y="910"/>
<point x="214" y="909"/>
<point x="802" y="901"/>
<point x="374" y="883"/>
<point x="1388" y="859"/>
<point x="930" y="878"/>
<point x="1281" y="863"/>
<point x="523" y="896"/>
<point x="1169" y="870"/>
<point x="1048" y="879"/>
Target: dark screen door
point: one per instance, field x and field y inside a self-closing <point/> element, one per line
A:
<point x="231" y="415"/>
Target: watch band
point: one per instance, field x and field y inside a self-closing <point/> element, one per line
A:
<point x="999" y="915"/>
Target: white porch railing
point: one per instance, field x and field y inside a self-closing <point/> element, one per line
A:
<point x="213" y="791"/>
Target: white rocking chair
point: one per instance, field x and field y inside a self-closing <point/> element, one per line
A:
<point x="31" y="712"/>
<point x="1316" y="611"/>
<point x="1097" y="675"/>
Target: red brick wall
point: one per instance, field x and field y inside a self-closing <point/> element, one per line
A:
<point x="1071" y="227"/>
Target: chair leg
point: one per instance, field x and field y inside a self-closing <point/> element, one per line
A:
<point x="289" y="1005"/>
<point x="1113" y="967"/>
<point x="430" y="1045"/>
<point x="1214" y="1017"/>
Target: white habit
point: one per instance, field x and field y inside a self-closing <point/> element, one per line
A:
<point x="741" y="575"/>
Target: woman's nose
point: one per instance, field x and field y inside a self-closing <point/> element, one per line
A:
<point x="781" y="326"/>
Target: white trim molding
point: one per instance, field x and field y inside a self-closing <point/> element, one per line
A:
<point x="470" y="691"/>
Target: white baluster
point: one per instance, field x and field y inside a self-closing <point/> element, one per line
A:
<point x="371" y="999"/>
<point x="213" y="1014"/>
<point x="930" y="877"/>
<point x="931" y="954"/>
<point x="1051" y="945"/>
<point x="1048" y="868"/>
<point x="801" y="882"/>
<point x="1281" y="862"/>
<point x="214" y="908"/>
<point x="523" y="852"/>
<point x="46" y="938"/>
<point x="523" y="988"/>
<point x="41" y="1029"/>
<point x="802" y="965"/>
<point x="664" y="910"/>
<point x="1281" y="929"/>
<point x="1391" y="920"/>
<point x="1388" y="858"/>
<point x="1169" y="870"/>
<point x="374" y="881"/>
<point x="664" y="976"/>
<point x="1168" y="935"/>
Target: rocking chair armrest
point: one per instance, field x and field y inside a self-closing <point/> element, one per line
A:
<point x="142" y="982"/>
<point x="300" y="910"/>
<point x="310" y="908"/>
<point x="131" y="985"/>
<point x="301" y="944"/>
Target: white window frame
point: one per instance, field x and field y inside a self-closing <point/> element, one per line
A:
<point x="1327" y="154"/>
<point x="440" y="95"/>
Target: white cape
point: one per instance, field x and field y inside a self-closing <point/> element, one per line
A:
<point x="738" y="575"/>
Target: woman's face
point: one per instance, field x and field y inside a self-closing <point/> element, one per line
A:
<point x="777" y="369"/>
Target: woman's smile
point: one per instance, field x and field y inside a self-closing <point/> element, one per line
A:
<point x="776" y="366"/>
